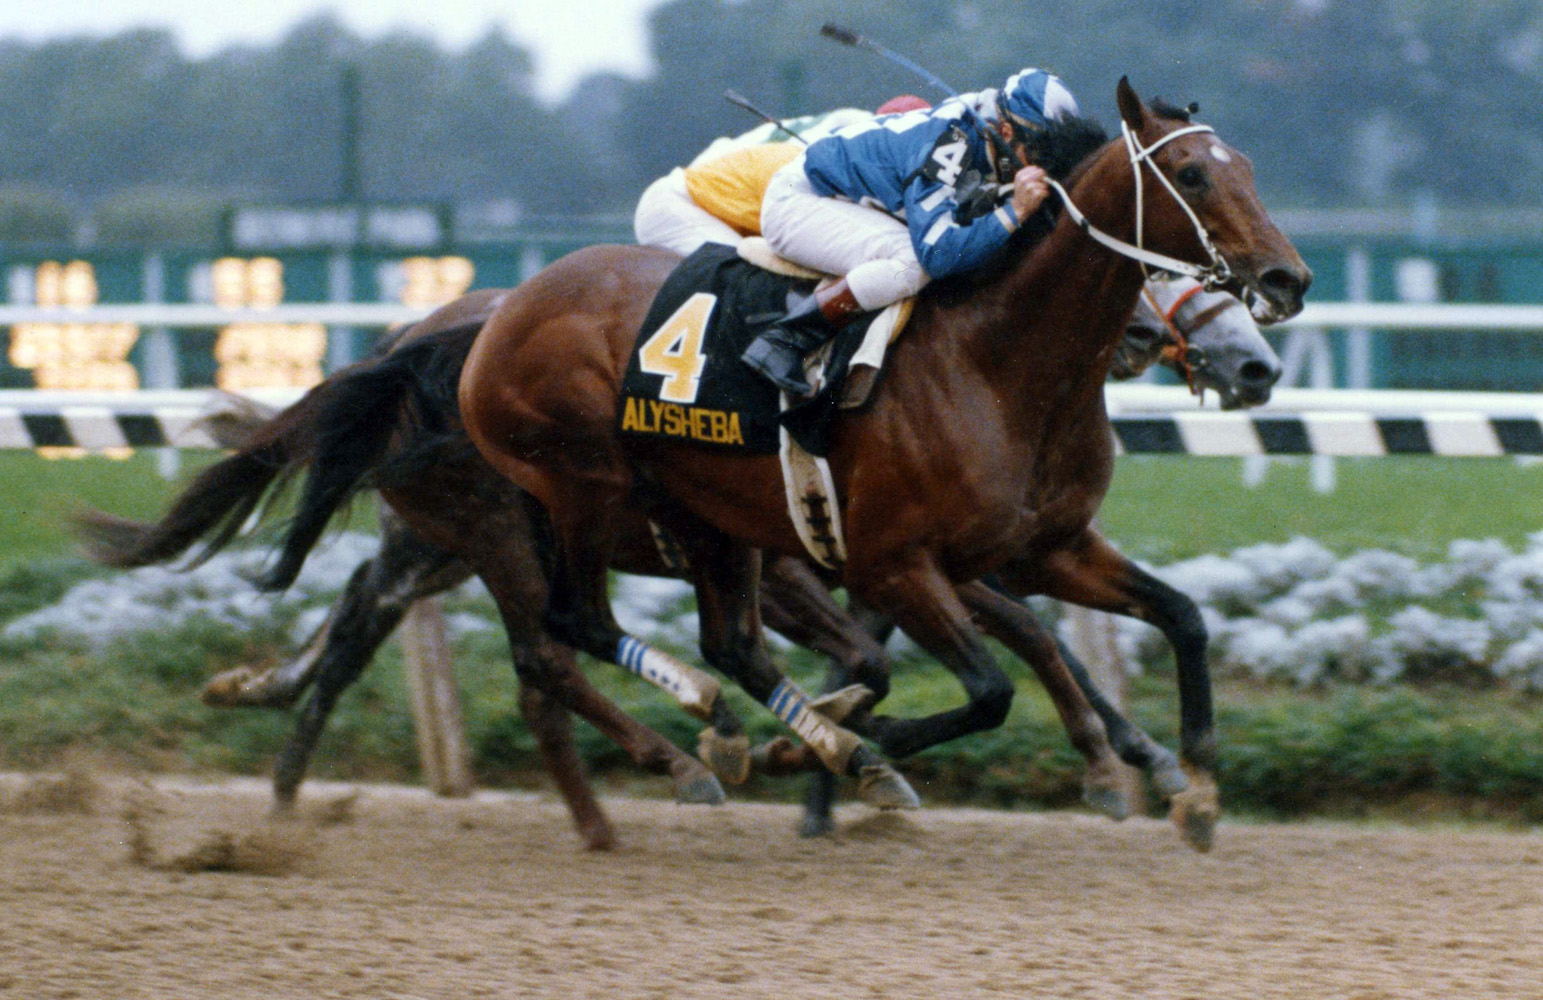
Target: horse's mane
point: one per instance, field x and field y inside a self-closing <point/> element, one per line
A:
<point x="1173" y="112"/>
<point x="1062" y="143"/>
<point x="1060" y="146"/>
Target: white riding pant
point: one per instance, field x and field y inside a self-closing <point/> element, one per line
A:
<point x="667" y="217"/>
<point x="869" y="246"/>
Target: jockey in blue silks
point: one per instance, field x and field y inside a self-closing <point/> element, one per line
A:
<point x="894" y="202"/>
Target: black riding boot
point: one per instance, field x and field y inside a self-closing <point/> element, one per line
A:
<point x="779" y="353"/>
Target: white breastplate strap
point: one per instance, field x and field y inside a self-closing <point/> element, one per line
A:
<point x="1212" y="275"/>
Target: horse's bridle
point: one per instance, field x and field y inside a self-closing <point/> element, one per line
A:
<point x="1187" y="359"/>
<point x="1211" y="276"/>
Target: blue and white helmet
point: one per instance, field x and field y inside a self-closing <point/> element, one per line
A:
<point x="1032" y="97"/>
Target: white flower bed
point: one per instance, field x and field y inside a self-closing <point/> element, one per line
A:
<point x="1292" y="612"/>
<point x="1297" y="612"/>
<point x="98" y="612"/>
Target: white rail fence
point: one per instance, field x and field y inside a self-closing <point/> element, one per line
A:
<point x="1320" y="421"/>
<point x="1163" y="420"/>
<point x="1321" y="315"/>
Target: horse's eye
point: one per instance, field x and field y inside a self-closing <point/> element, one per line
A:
<point x="1192" y="176"/>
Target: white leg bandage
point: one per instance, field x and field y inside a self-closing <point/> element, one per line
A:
<point x="832" y="744"/>
<point x="694" y="689"/>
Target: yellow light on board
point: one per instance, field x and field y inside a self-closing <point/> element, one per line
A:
<point x="433" y="281"/>
<point x="73" y="355"/>
<point x="262" y="355"/>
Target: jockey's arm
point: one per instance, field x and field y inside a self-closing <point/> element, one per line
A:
<point x="943" y="244"/>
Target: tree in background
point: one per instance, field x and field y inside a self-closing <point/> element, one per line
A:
<point x="1339" y="102"/>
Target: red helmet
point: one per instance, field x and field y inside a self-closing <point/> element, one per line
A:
<point x="904" y="102"/>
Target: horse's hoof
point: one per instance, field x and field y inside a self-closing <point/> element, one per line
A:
<point x="600" y="836"/>
<point x="881" y="786"/>
<point x="1112" y="802"/>
<point x="1168" y="778"/>
<point x="1195" y="810"/>
<point x="777" y="756"/>
<point x="728" y="756"/>
<point x="700" y="791"/>
<point x="837" y="705"/>
<point x="816" y="825"/>
<point x="1197" y="829"/>
<point x="230" y="689"/>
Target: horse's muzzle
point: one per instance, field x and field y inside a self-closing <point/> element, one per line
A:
<point x="1277" y="293"/>
<point x="1250" y="385"/>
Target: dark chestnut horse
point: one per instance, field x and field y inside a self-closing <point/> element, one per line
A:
<point x="988" y="450"/>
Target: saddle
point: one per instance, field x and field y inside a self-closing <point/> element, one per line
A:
<point x="863" y="369"/>
<point x="685" y="382"/>
<point x="684" y="379"/>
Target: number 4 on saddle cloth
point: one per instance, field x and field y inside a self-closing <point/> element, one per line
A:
<point x="685" y="380"/>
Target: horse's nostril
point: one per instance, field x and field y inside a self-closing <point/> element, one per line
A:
<point x="1258" y="373"/>
<point x="1286" y="281"/>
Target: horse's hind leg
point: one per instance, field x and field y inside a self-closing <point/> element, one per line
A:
<point x="579" y="614"/>
<point x="497" y="537"/>
<point x="406" y="569"/>
<point x="552" y="727"/>
<point x="279" y="686"/>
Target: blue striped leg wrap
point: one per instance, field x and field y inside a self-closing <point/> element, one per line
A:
<point x="648" y="663"/>
<point x="789" y="703"/>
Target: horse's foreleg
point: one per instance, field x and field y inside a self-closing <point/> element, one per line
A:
<point x="1092" y="573"/>
<point x="926" y="606"/>
<point x="1130" y="741"/>
<point x="727" y="576"/>
<point x="552" y="727"/>
<point x="1016" y="627"/>
<point x="797" y="604"/>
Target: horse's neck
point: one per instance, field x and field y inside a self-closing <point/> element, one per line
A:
<point x="1059" y="312"/>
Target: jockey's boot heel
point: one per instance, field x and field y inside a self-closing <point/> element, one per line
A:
<point x="778" y="354"/>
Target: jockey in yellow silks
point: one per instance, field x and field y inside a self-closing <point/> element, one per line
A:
<point x="717" y="198"/>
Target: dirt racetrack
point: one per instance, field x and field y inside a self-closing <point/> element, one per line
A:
<point x="395" y="894"/>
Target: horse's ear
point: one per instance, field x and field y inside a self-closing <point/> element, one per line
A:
<point x="1132" y="110"/>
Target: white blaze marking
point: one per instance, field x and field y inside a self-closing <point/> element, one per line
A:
<point x="1221" y="154"/>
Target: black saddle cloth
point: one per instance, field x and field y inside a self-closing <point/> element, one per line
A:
<point x="698" y="390"/>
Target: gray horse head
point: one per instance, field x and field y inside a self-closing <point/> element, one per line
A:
<point x="1226" y="352"/>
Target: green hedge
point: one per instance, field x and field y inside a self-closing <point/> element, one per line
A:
<point x="1348" y="752"/>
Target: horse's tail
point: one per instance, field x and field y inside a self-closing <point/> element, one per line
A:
<point x="338" y="433"/>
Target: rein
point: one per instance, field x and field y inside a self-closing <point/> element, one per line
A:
<point x="1210" y="276"/>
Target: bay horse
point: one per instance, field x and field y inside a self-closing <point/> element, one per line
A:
<point x="1207" y="335"/>
<point x="988" y="450"/>
<point x="273" y="444"/>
